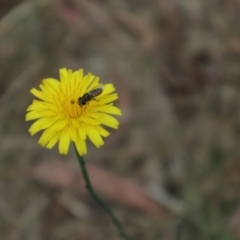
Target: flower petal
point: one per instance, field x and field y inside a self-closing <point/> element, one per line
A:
<point x="39" y="94"/>
<point x="51" y="83"/>
<point x="59" y="125"/>
<point x="46" y="137"/>
<point x="64" y="142"/>
<point x="94" y="136"/>
<point x="81" y="146"/>
<point x="103" y="132"/>
<point x="108" y="88"/>
<point x="89" y="120"/>
<point x="64" y="75"/>
<point x="108" y="120"/>
<point x="107" y="109"/>
<point x="73" y="133"/>
<point x="37" y="105"/>
<point x="82" y="133"/>
<point x="109" y="98"/>
<point x="94" y="83"/>
<point x="41" y="124"/>
<point x="54" y="140"/>
<point x="32" y="115"/>
<point x="40" y="113"/>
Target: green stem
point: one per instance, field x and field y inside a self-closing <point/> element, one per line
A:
<point x="89" y="188"/>
<point x="178" y="229"/>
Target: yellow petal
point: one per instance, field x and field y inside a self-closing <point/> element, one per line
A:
<point x="108" y="98"/>
<point x="113" y="110"/>
<point x="32" y="115"/>
<point x="81" y="147"/>
<point x="73" y="133"/>
<point x="59" y="125"/>
<point x="103" y="132"/>
<point x="107" y="109"/>
<point x="64" y="142"/>
<point x="47" y="112"/>
<point x="81" y="131"/>
<point x="78" y="77"/>
<point x="98" y="108"/>
<point x="86" y="83"/>
<point x="51" y="83"/>
<point x="37" y="105"/>
<point x="37" y="114"/>
<point x="94" y="136"/>
<point x="108" y="88"/>
<point x="63" y="72"/>
<point x="49" y="91"/>
<point x="41" y="124"/>
<point x="39" y="94"/>
<point x="108" y="120"/>
<point x="89" y="120"/>
<point x="46" y="137"/>
<point x="93" y="84"/>
<point x="54" y="140"/>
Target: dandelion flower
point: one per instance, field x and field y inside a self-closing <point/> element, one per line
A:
<point x="73" y="109"/>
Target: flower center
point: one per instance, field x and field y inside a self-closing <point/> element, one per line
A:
<point x="72" y="109"/>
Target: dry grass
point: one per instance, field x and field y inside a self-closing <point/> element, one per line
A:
<point x="176" y="65"/>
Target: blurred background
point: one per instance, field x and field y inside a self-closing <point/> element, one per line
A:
<point x="172" y="170"/>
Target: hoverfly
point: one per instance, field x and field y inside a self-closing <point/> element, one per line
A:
<point x="89" y="96"/>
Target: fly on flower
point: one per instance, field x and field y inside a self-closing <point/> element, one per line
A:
<point x="73" y="109"/>
<point x="89" y="96"/>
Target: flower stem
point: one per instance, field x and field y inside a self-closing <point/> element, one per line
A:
<point x="91" y="191"/>
<point x="177" y="233"/>
<point x="178" y="229"/>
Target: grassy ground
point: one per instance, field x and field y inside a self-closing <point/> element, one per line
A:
<point x="176" y="67"/>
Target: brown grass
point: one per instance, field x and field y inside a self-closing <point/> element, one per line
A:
<point x="176" y="66"/>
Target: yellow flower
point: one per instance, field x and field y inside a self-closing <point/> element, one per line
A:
<point x="65" y="118"/>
